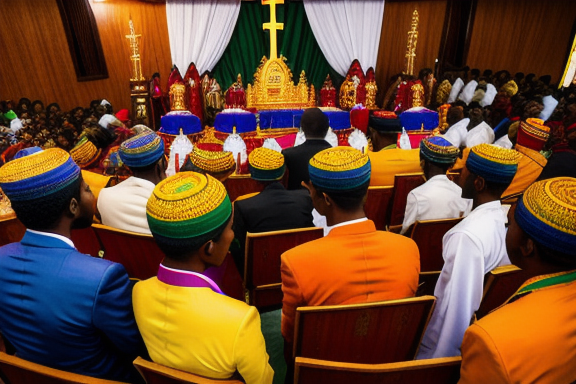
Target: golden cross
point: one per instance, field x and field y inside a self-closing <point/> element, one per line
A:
<point x="273" y="26"/>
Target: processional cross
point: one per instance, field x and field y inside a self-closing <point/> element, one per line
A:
<point x="273" y="26"/>
<point x="135" y="57"/>
<point x="411" y="46"/>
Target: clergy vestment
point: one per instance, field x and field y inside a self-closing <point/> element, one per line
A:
<point x="456" y="134"/>
<point x="188" y="324"/>
<point x="67" y="310"/>
<point x="388" y="163"/>
<point x="471" y="249"/>
<point x="482" y="133"/>
<point x="438" y="198"/>
<point x="529" y="340"/>
<point x="529" y="168"/>
<point x="123" y="206"/>
<point x="357" y="264"/>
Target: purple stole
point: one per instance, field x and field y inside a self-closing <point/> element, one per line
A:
<point x="180" y="278"/>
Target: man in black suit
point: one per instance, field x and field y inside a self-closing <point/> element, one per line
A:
<point x="274" y="208"/>
<point x="315" y="125"/>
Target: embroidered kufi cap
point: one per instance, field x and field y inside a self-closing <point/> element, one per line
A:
<point x="39" y="174"/>
<point x="494" y="164"/>
<point x="339" y="169"/>
<point x="212" y="161"/>
<point x="547" y="212"/>
<point x="187" y="205"/>
<point x="438" y="150"/>
<point x="533" y="134"/>
<point x="85" y="153"/>
<point x="511" y="88"/>
<point x="385" y="121"/>
<point x="142" y="150"/>
<point x="266" y="164"/>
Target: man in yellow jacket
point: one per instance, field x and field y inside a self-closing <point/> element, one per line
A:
<point x="185" y="319"/>
<point x="532" y="338"/>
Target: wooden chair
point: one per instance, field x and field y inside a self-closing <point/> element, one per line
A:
<point x="377" y="205"/>
<point x="159" y="374"/>
<point x="403" y="184"/>
<point x="368" y="333"/>
<point x="18" y="371"/>
<point x="428" y="235"/>
<point x="137" y="252"/>
<point x="445" y="370"/>
<point x="86" y="241"/>
<point x="262" y="280"/>
<point x="11" y="230"/>
<point x="499" y="285"/>
<point x="239" y="185"/>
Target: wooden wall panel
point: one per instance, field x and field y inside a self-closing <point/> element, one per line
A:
<point x="35" y="60"/>
<point x="395" y="26"/>
<point x="522" y="36"/>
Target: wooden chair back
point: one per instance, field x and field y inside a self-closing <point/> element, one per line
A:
<point x="18" y="371"/>
<point x="262" y="280"/>
<point x="369" y="333"/>
<point x="137" y="252"/>
<point x="86" y="241"/>
<point x="499" y="285"/>
<point x="239" y="185"/>
<point x="377" y="206"/>
<point x="11" y="230"/>
<point x="403" y="184"/>
<point x="445" y="370"/>
<point x="159" y="374"/>
<point x="428" y="236"/>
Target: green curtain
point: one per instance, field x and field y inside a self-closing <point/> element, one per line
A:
<point x="249" y="43"/>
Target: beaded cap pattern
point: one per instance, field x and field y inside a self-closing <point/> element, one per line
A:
<point x="186" y="205"/>
<point x="212" y="161"/>
<point x="438" y="150"/>
<point x="533" y="134"/>
<point x="38" y="175"/>
<point x="142" y="150"/>
<point x="493" y="163"/>
<point x="85" y="153"/>
<point x="266" y="164"/>
<point x="547" y="213"/>
<point x="339" y="169"/>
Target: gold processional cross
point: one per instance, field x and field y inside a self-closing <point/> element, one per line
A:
<point x="273" y="26"/>
<point x="411" y="46"/>
<point x="135" y="57"/>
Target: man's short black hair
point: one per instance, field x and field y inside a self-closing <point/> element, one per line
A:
<point x="314" y="123"/>
<point x="348" y="200"/>
<point x="180" y="249"/>
<point x="44" y="212"/>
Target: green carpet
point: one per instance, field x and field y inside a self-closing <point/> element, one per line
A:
<point x="274" y="343"/>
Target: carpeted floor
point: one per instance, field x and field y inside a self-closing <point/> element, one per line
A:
<point x="274" y="343"/>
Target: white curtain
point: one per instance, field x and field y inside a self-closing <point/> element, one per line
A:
<point x="200" y="31"/>
<point x="347" y="30"/>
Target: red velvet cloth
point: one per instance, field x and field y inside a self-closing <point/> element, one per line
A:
<point x="359" y="119"/>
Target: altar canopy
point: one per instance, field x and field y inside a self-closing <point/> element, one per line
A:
<point x="346" y="30"/>
<point x="200" y="30"/>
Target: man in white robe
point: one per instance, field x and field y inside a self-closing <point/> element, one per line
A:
<point x="471" y="249"/>
<point x="439" y="197"/>
<point x="124" y="205"/>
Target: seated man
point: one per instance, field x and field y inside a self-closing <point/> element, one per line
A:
<point x="218" y="164"/>
<point x="357" y="263"/>
<point x="61" y="308"/>
<point x="185" y="319"/>
<point x="314" y="124"/>
<point x="531" y="338"/>
<point x="123" y="206"/>
<point x="532" y="135"/>
<point x="274" y="208"/>
<point x="387" y="160"/>
<point x="439" y="197"/>
<point x="471" y="249"/>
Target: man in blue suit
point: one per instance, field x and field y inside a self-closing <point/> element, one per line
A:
<point x="59" y="307"/>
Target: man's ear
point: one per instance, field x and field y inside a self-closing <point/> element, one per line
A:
<point x="327" y="199"/>
<point x="527" y="248"/>
<point x="73" y="207"/>
<point x="307" y="185"/>
<point x="479" y="183"/>
<point x="206" y="250"/>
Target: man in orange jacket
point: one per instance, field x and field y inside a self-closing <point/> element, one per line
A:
<point x="531" y="338"/>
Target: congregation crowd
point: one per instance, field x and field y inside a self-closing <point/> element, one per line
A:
<point x="82" y="314"/>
